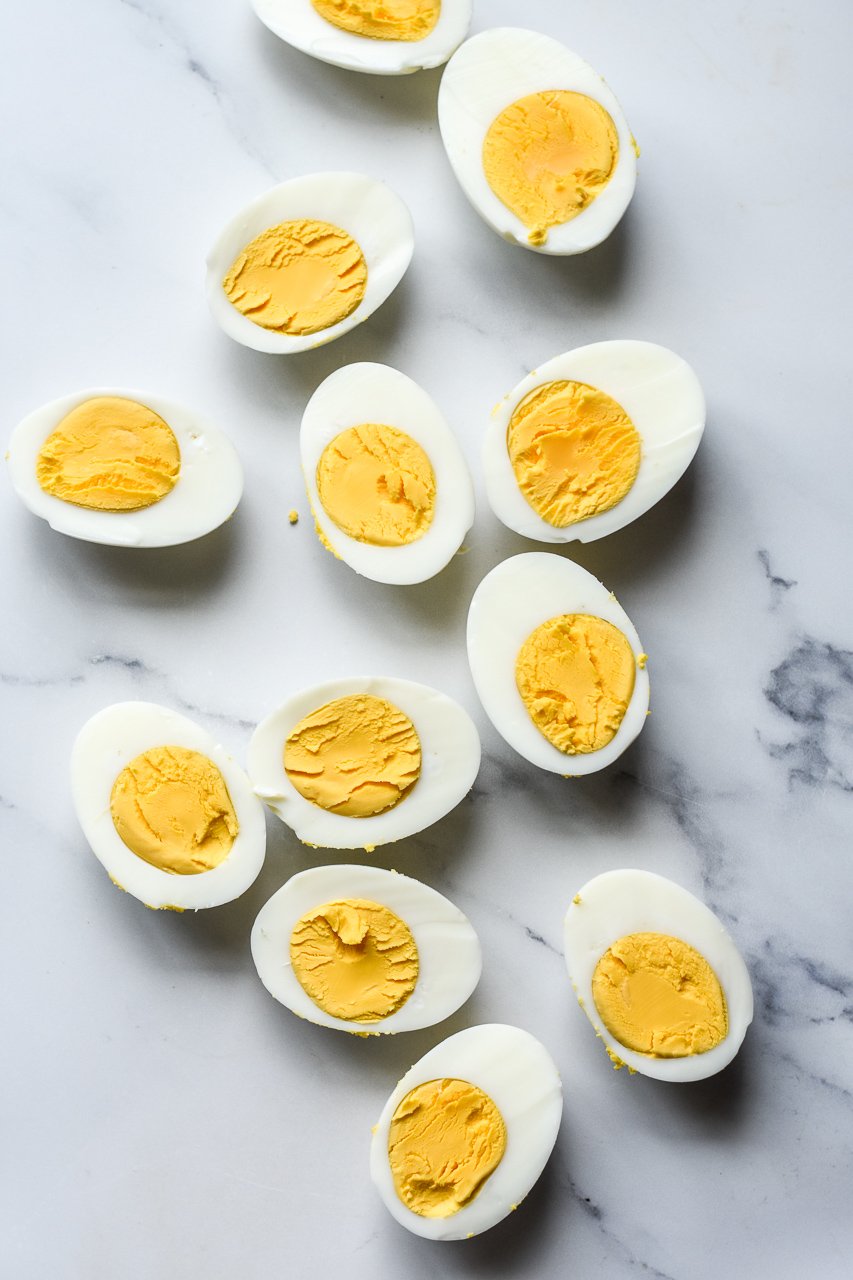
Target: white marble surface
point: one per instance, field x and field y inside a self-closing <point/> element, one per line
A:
<point x="162" y="1117"/>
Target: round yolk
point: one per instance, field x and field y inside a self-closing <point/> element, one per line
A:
<point x="110" y="454"/>
<point x="377" y="485"/>
<point x="446" y="1138"/>
<point x="356" y="756"/>
<point x="658" y="996"/>
<point x="574" y="451"/>
<point x="171" y="807"/>
<point x="382" y="19"/>
<point x="355" y="959"/>
<point x="548" y="155"/>
<point x="575" y="674"/>
<point x="298" y="277"/>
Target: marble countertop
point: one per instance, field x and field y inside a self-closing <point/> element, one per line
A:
<point x="162" y="1116"/>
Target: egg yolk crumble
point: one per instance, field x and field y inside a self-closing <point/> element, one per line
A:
<point x="382" y="19"/>
<point x="377" y="484"/>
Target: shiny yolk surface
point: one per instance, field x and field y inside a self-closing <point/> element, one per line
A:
<point x="377" y="485"/>
<point x="382" y="19"/>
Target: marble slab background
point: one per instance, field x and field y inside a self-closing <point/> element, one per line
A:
<point x="162" y="1117"/>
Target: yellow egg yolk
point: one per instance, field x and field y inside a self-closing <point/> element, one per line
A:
<point x="548" y="155"/>
<point x="356" y="756"/>
<point x="575" y="674"/>
<point x="355" y="959"/>
<point x="574" y="451"/>
<point x="298" y="277"/>
<point x="446" y="1138"/>
<point x="382" y="19"/>
<point x="110" y="454"/>
<point x="658" y="996"/>
<point x="171" y="807"/>
<point x="377" y="485"/>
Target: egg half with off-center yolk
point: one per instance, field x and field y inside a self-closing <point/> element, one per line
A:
<point x="658" y="976"/>
<point x="387" y="482"/>
<point x="537" y="141"/>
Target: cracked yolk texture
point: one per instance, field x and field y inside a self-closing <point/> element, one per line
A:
<point x="377" y="485"/>
<point x="382" y="19"/>
<point x="357" y="756"/>
<point x="576" y="676"/>
<point x="446" y="1138"/>
<point x="574" y="451"/>
<point x="355" y="959"/>
<point x="298" y="277"/>
<point x="110" y="454"/>
<point x="172" y="808"/>
<point x="657" y="995"/>
<point x="547" y="156"/>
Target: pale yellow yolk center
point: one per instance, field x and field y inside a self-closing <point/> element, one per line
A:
<point x="356" y="756"/>
<point x="446" y="1138"/>
<point x="382" y="19"/>
<point x="110" y="454"/>
<point x="657" y="995"/>
<point x="377" y="485"/>
<point x="574" y="450"/>
<point x="298" y="277"/>
<point x="355" y="959"/>
<point x="547" y="156"/>
<point x="171" y="807"/>
<point x="576" y="676"/>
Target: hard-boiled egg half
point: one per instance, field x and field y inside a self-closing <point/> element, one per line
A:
<point x="125" y="468"/>
<point x="365" y="950"/>
<point x="380" y="37"/>
<point x="557" y="663"/>
<point x="592" y="440"/>
<point x="537" y="140"/>
<point x="658" y="976"/>
<point x="388" y="484"/>
<point x="467" y="1132"/>
<point x="166" y="809"/>
<point x="308" y="261"/>
<point x="360" y="762"/>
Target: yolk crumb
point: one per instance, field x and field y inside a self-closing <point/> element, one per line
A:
<point x="382" y="19"/>
<point x="377" y="484"/>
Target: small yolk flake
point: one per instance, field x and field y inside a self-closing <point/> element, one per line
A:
<point x="110" y="454"/>
<point x="356" y="960"/>
<point x="377" y="485"/>
<point x="298" y="277"/>
<point x="574" y="451"/>
<point x="548" y="155"/>
<point x="293" y="516"/>
<point x="446" y="1138"/>
<point x="171" y="807"/>
<point x="658" y="996"/>
<point x="407" y="20"/>
<point x="356" y="756"/>
<point x="575" y="674"/>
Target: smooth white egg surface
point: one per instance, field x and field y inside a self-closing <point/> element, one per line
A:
<point x="107" y="743"/>
<point x="448" y="950"/>
<point x="510" y="603"/>
<point x="208" y="487"/>
<point x="486" y="75"/>
<point x="376" y="394"/>
<point x="519" y="1076"/>
<point x="624" y="902"/>
<point x="300" y="24"/>
<point x="658" y="391"/>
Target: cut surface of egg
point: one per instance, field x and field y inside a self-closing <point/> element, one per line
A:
<point x="658" y="976"/>
<point x="365" y="950"/>
<point x="467" y="1132"/>
<point x="308" y="260"/>
<point x="537" y="140"/>
<point x="557" y="663"/>
<point x="125" y="469"/>
<point x="379" y="37"/>
<point x="360" y="762"/>
<point x="166" y="810"/>
<point x="388" y="484"/>
<point x="591" y="440"/>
